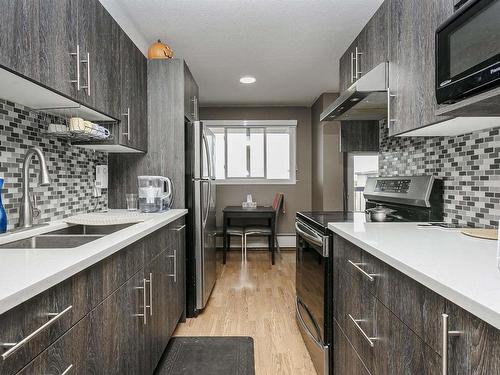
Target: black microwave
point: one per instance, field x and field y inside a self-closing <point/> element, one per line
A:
<point x="468" y="51"/>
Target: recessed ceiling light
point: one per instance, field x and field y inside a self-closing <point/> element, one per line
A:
<point x="247" y="79"/>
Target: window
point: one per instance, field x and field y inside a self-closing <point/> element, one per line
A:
<point x="254" y="151"/>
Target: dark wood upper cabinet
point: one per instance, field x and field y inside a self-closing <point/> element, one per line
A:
<point x="191" y="96"/>
<point x="57" y="45"/>
<point x="347" y="68"/>
<point x="76" y="48"/>
<point x="20" y="36"/>
<point x="373" y="41"/>
<point x="359" y="136"/>
<point x="369" y="49"/>
<point x="133" y="130"/>
<point x="37" y="39"/>
<point x="105" y="56"/>
<point x="411" y="56"/>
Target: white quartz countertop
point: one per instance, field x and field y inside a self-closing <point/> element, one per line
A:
<point x="458" y="267"/>
<point x="25" y="273"/>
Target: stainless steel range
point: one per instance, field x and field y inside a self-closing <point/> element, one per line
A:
<point x="414" y="198"/>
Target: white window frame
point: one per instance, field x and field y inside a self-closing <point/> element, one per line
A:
<point x="258" y="124"/>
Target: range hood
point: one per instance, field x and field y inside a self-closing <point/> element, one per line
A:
<point x="366" y="99"/>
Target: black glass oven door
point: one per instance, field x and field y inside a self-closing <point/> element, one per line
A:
<point x="310" y="285"/>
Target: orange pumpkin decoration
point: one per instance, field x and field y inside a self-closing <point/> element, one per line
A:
<point x="160" y="50"/>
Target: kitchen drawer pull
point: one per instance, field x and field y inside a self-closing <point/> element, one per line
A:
<point x="174" y="275"/>
<point x="369" y="339"/>
<point x="87" y="61"/>
<point x="446" y="335"/>
<point x="67" y="370"/>
<point x="77" y="55"/>
<point x="18" y="345"/>
<point x="179" y="228"/>
<point x="369" y="276"/>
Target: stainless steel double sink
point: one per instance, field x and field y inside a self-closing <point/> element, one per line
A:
<point x="70" y="237"/>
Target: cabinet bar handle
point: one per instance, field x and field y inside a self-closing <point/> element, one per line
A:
<point x="363" y="333"/>
<point x="145" y="306"/>
<point x="150" y="281"/>
<point x="446" y="335"/>
<point x="195" y="108"/>
<point x="77" y="55"/>
<point x="358" y="72"/>
<point x="127" y="115"/>
<point x="87" y="61"/>
<point x="356" y="266"/>
<point x="389" y="98"/>
<point x="174" y="257"/>
<point x="67" y="370"/>
<point x="353" y="78"/>
<point x="16" y="346"/>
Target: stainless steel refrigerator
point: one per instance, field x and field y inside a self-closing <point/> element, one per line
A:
<point x="200" y="189"/>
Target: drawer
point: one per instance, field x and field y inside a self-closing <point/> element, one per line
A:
<point x="417" y="306"/>
<point x="35" y="324"/>
<point x="161" y="240"/>
<point x="66" y="356"/>
<point x="64" y="305"/>
<point x="382" y="341"/>
<point x="344" y="252"/>
<point x="345" y="359"/>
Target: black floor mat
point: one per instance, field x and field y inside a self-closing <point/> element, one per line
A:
<point x="208" y="355"/>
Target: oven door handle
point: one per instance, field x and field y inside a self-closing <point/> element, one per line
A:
<point x="304" y="325"/>
<point x="313" y="238"/>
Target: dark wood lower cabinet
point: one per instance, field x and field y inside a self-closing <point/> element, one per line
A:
<point x="124" y="311"/>
<point x="346" y="360"/>
<point x="66" y="356"/>
<point x="161" y="317"/>
<point x="384" y="343"/>
<point x="394" y="325"/>
<point x="476" y="350"/>
<point x="117" y="331"/>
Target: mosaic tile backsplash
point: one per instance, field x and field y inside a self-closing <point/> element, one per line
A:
<point x="469" y="165"/>
<point x="72" y="169"/>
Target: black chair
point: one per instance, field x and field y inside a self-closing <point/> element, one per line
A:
<point x="266" y="231"/>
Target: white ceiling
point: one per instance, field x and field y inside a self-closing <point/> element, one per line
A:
<point x="292" y="47"/>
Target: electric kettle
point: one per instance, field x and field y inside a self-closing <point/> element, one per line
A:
<point x="155" y="193"/>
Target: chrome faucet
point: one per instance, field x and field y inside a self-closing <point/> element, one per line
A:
<point x="26" y="213"/>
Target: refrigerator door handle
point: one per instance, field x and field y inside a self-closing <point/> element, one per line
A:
<point x="209" y="158"/>
<point x="209" y="199"/>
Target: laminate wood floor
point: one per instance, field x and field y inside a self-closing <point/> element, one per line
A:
<point x="258" y="300"/>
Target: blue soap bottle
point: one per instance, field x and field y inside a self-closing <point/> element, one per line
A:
<point x="3" y="214"/>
